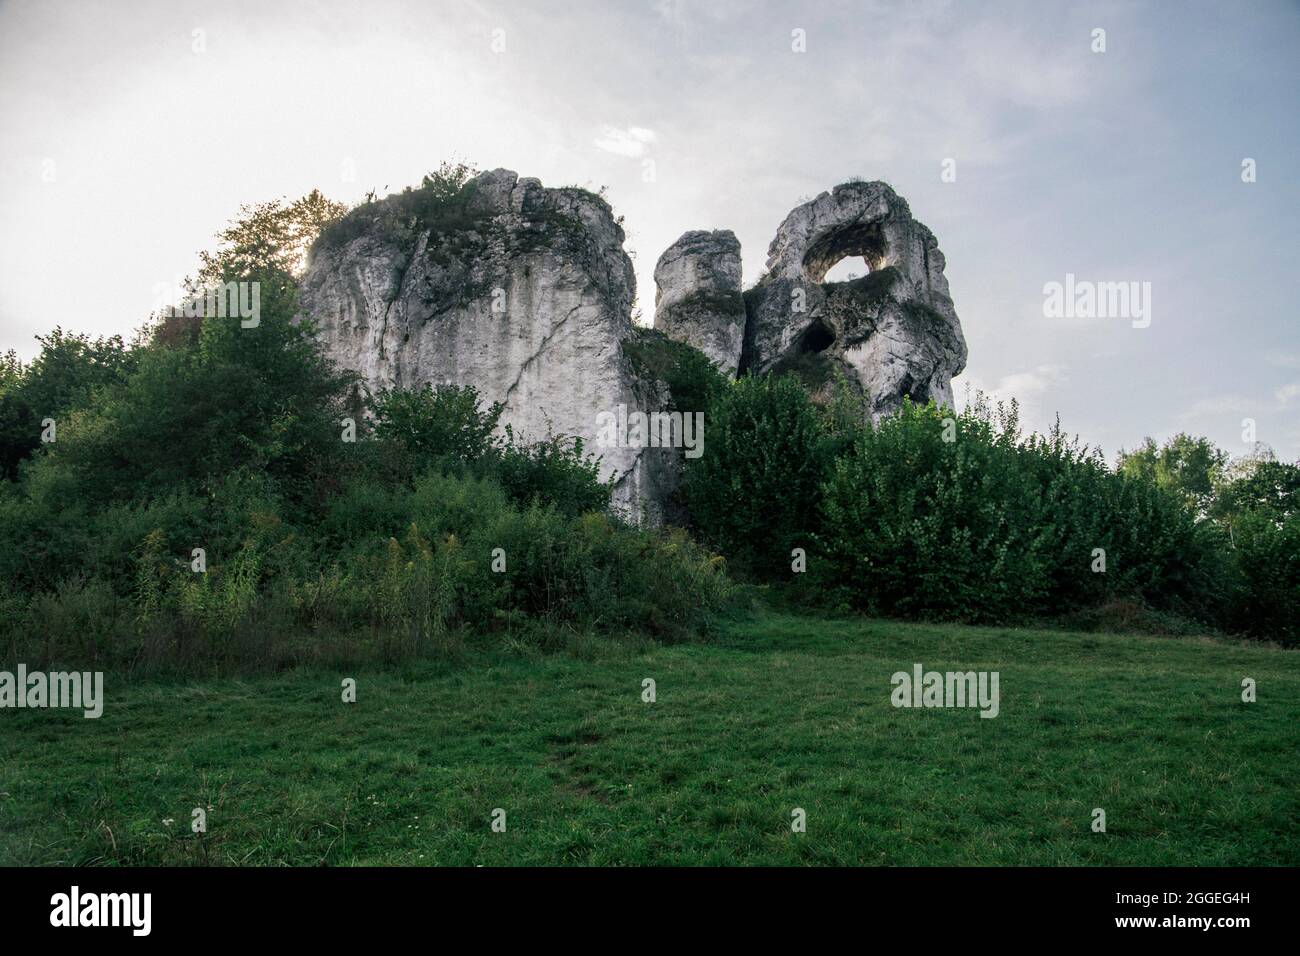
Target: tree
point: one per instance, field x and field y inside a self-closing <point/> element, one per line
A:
<point x="209" y="397"/>
<point x="1259" y="484"/>
<point x="1190" y="467"/>
<point x="447" y="181"/>
<point x="260" y="399"/>
<point x="67" y="372"/>
<point x="269" y="237"/>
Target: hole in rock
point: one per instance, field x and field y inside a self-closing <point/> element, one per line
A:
<point x="816" y="338"/>
<point x="857" y="249"/>
<point x="918" y="392"/>
<point x="847" y="269"/>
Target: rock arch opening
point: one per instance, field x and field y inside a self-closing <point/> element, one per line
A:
<point x="858" y="248"/>
<point x="847" y="269"/>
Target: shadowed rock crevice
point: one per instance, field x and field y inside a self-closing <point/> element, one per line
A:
<point x="816" y="338"/>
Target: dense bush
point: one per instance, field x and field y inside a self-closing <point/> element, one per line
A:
<point x="409" y="567"/>
<point x="1268" y="549"/>
<point x="442" y="201"/>
<point x="435" y="423"/>
<point x="1258" y="506"/>
<point x="450" y="428"/>
<point x="260" y="398"/>
<point x="753" y="493"/>
<point x="959" y="517"/>
<point x="554" y="472"/>
<point x="935" y="514"/>
<point x="412" y="564"/>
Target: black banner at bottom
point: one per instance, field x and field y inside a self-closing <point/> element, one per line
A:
<point x="336" y="905"/>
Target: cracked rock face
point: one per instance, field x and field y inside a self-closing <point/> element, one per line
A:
<point x="893" y="333"/>
<point x="523" y="292"/>
<point x="697" y="295"/>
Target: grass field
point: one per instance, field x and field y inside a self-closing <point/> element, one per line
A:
<point x="777" y="712"/>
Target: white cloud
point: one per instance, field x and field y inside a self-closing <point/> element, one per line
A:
<point x="681" y="15"/>
<point x="1029" y="388"/>
<point x="1030" y="383"/>
<point x="672" y="11"/>
<point x="1285" y="393"/>
<point x="1283" y="359"/>
<point x="1219" y="405"/>
<point x="630" y="142"/>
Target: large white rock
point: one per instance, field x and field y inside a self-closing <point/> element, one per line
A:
<point x="697" y="295"/>
<point x="523" y="292"/>
<point x="893" y="333"/>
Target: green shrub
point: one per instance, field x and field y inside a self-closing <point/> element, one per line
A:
<point x="958" y="517"/>
<point x="1268" y="555"/>
<point x="554" y="472"/>
<point x="261" y="398"/>
<point x="753" y="493"/>
<point x="448" y="428"/>
<point x="694" y="383"/>
<point x="441" y="202"/>
<point x="434" y="423"/>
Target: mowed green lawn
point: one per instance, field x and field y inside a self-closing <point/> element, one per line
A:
<point x="777" y="712"/>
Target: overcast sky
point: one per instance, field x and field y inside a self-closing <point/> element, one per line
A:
<point x="127" y="140"/>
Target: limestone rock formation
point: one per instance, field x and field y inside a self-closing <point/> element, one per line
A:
<point x="526" y="293"/>
<point x="697" y="295"/>
<point x="523" y="292"/>
<point x="891" y="334"/>
<point x="894" y="332"/>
